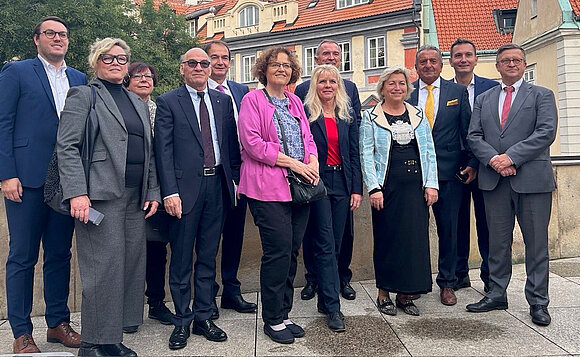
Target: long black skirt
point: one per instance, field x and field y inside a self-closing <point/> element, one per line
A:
<point x="401" y="229"/>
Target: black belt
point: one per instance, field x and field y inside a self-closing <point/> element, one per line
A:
<point x="333" y="168"/>
<point x="211" y="171"/>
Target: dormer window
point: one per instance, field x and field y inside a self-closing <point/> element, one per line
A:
<point x="505" y="20"/>
<point x="249" y="16"/>
<point x="341" y="4"/>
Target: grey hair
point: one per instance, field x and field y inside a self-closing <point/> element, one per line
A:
<point x="428" y="48"/>
<point x="510" y="46"/>
<point x="388" y="73"/>
<point x="323" y="42"/>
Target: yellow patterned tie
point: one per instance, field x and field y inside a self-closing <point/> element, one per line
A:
<point x="430" y="105"/>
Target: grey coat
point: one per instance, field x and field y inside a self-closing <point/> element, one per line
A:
<point x="107" y="170"/>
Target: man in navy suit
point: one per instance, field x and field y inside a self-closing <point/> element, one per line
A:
<point x="463" y="59"/>
<point x="328" y="52"/>
<point x="33" y="95"/>
<point x="233" y="234"/>
<point x="198" y="161"/>
<point x="446" y="106"/>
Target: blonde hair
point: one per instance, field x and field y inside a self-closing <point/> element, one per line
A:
<point x="341" y="100"/>
<point x="389" y="72"/>
<point x="102" y="46"/>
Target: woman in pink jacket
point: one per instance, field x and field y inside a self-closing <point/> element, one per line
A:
<point x="264" y="114"/>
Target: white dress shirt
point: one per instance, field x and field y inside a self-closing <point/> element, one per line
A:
<point x="503" y="94"/>
<point x="213" y="85"/>
<point x="58" y="83"/>
<point x="470" y="90"/>
<point x="423" y="96"/>
<point x="196" y="102"/>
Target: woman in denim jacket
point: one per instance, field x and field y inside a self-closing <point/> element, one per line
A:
<point x="400" y="171"/>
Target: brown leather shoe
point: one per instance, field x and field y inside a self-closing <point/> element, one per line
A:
<point x="64" y="334"/>
<point x="448" y="297"/>
<point x="25" y="344"/>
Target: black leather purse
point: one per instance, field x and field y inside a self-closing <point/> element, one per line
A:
<point x="53" y="195"/>
<point x="302" y="191"/>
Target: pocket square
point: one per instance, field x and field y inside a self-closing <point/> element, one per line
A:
<point x="452" y="102"/>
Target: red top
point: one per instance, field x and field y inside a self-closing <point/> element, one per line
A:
<point x="333" y="157"/>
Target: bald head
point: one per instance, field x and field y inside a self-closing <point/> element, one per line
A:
<point x="195" y="68"/>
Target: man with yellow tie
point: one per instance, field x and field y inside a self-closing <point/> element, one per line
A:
<point x="446" y="106"/>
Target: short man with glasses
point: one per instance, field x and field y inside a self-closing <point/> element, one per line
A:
<point x="511" y="130"/>
<point x="233" y="234"/>
<point x="329" y="52"/>
<point x="33" y="95"/>
<point x="198" y="160"/>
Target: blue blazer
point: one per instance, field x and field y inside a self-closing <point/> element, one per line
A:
<point x="348" y="134"/>
<point x="351" y="90"/>
<point x="450" y="128"/>
<point x="178" y="144"/>
<point x="28" y="120"/>
<point x="238" y="92"/>
<point x="482" y="84"/>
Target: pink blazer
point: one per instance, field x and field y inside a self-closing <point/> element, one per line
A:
<point x="260" y="178"/>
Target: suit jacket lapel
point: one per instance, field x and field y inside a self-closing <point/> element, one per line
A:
<point x="322" y="126"/>
<point x="342" y="128"/>
<point x="493" y="103"/>
<point x="109" y="102"/>
<point x="41" y="73"/>
<point x="414" y="99"/>
<point x="236" y="94"/>
<point x="442" y="102"/>
<point x="216" y="104"/>
<point x="189" y="111"/>
<point x="525" y="90"/>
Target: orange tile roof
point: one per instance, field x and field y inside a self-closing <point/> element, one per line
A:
<point x="325" y="12"/>
<point x="470" y="19"/>
<point x="177" y="5"/>
<point x="575" y="6"/>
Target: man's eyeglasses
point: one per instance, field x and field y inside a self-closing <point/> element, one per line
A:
<point x="516" y="61"/>
<point x="277" y="65"/>
<point x="193" y="63"/>
<point x="108" y="59"/>
<point x="140" y="76"/>
<point x="50" y="34"/>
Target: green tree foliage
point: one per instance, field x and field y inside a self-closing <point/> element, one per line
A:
<point x="157" y="36"/>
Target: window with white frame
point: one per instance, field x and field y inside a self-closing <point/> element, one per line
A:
<point x="232" y="71"/>
<point x="340" y="4"/>
<point x="309" y="60"/>
<point x="534" y="8"/>
<point x="376" y="52"/>
<point x="247" y="64"/>
<point x="530" y="74"/>
<point x="192" y="29"/>
<point x="249" y="16"/>
<point x="345" y="56"/>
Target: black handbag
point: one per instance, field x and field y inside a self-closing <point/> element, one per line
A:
<point x="302" y="191"/>
<point x="53" y="195"/>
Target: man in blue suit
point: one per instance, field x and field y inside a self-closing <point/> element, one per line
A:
<point x="233" y="233"/>
<point x="446" y="106"/>
<point x="328" y="52"/>
<point x="33" y="95"/>
<point x="463" y="59"/>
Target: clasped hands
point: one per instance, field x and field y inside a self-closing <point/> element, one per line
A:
<point x="502" y="165"/>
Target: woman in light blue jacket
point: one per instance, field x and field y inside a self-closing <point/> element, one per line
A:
<point x="399" y="169"/>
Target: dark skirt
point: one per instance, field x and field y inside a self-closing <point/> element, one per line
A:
<point x="401" y="229"/>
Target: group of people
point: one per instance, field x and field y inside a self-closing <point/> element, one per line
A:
<point x="182" y="171"/>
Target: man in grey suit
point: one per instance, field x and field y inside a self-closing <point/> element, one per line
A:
<point x="511" y="130"/>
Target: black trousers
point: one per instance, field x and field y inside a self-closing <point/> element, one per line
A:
<point x="282" y="226"/>
<point x="346" y="246"/>
<point x="464" y="232"/>
<point x="446" y="211"/>
<point x="199" y="229"/>
<point x="155" y="272"/>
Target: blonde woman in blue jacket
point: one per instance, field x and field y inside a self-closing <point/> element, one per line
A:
<point x="400" y="171"/>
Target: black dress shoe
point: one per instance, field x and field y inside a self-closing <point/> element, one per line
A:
<point x="161" y="313"/>
<point x="208" y="329"/>
<point x="179" y="337"/>
<point x="215" y="311"/>
<point x="486" y="304"/>
<point x="238" y="303"/>
<point x="540" y="315"/>
<point x="347" y="291"/>
<point x="335" y="321"/>
<point x="130" y="329"/>
<point x="91" y="350"/>
<point x="118" y="349"/>
<point x="309" y="291"/>
<point x="462" y="283"/>
<point x="386" y="306"/>
<point x="282" y="336"/>
<point x="296" y="330"/>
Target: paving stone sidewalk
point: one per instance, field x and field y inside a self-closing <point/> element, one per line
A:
<point x="439" y="331"/>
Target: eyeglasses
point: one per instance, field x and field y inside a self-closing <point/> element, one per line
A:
<point x="140" y="76"/>
<point x="193" y="63"/>
<point x="50" y="34"/>
<point x="108" y="59"/>
<point x="507" y="61"/>
<point x="277" y="65"/>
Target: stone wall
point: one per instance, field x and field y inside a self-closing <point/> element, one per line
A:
<point x="564" y="241"/>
